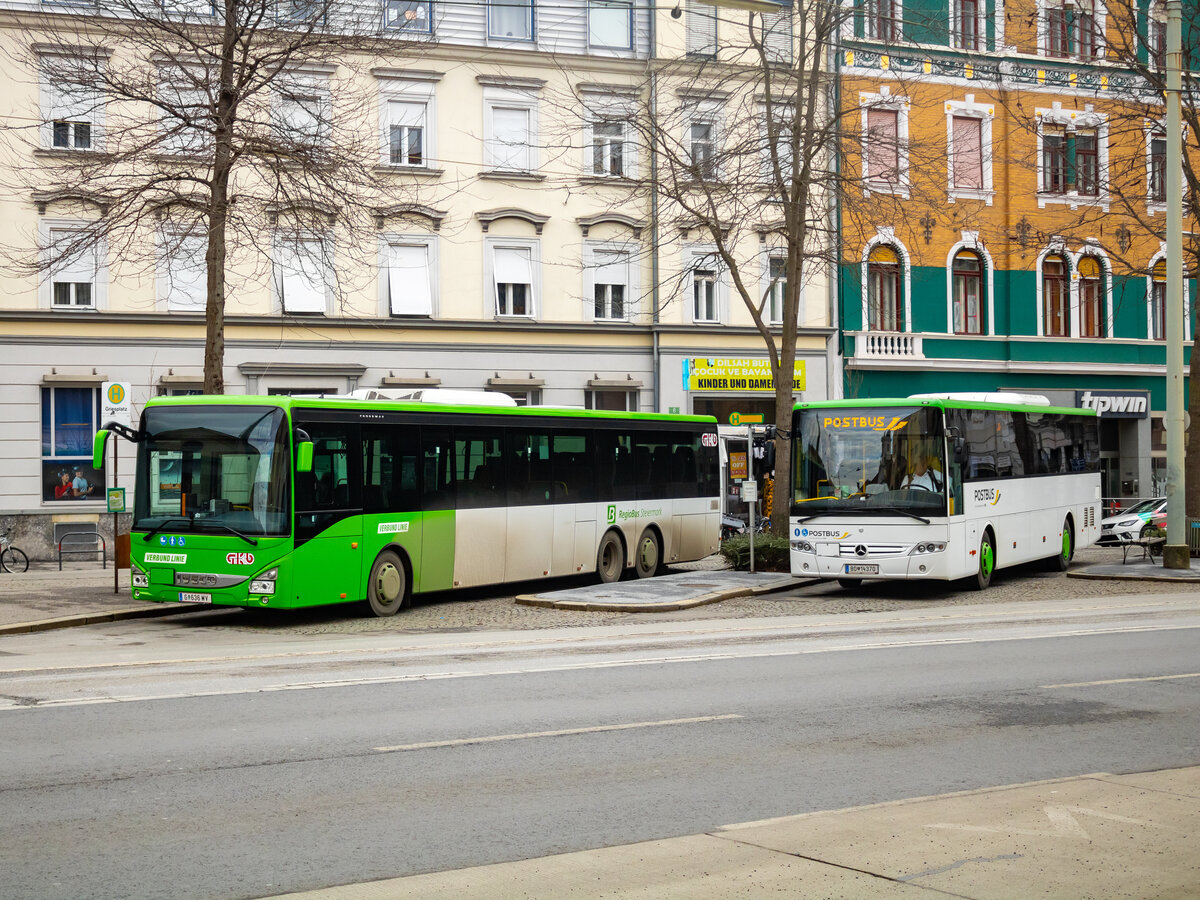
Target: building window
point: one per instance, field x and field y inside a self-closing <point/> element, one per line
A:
<point x="300" y="276"/>
<point x="72" y="135"/>
<point x="882" y="144"/>
<point x="776" y="288"/>
<point x="610" y="24"/>
<point x="510" y="142"/>
<point x="409" y="15"/>
<point x="612" y="401"/>
<point x="512" y="274"/>
<point x="704" y="295"/>
<point x="70" y="113"/>
<point x="1054" y="159"/>
<point x="409" y="281"/>
<point x="701" y="29"/>
<point x="1056" y="319"/>
<point x="1091" y="298"/>
<point x="510" y="20"/>
<point x="702" y="147"/>
<point x="1087" y="162"/>
<point x="608" y="149"/>
<point x="1156" y="43"/>
<point x="406" y="133"/>
<point x="967" y="287"/>
<point x="73" y="276"/>
<point x="777" y="36"/>
<point x="965" y="27"/>
<point x="1157" y="187"/>
<point x="302" y="118"/>
<point x="1088" y="36"/>
<point x="70" y="417"/>
<point x="1158" y="302"/>
<point x="882" y="21"/>
<point x="184" y="271"/>
<point x="967" y="162"/>
<point x="610" y="284"/>
<point x="186" y="120"/>
<point x="1057" y="42"/>
<point x="885" y="297"/>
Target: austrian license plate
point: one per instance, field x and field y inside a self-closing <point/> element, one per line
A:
<point x="187" y="597"/>
<point x="862" y="569"/>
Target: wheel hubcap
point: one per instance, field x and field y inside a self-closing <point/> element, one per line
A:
<point x="985" y="561"/>
<point x="387" y="584"/>
<point x="649" y="554"/>
<point x="1066" y="545"/>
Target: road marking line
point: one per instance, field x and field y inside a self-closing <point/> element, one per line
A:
<point x="462" y="742"/>
<point x="1120" y="681"/>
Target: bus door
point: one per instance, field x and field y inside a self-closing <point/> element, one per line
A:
<point x="328" y="554"/>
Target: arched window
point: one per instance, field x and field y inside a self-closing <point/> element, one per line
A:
<point x="885" y="296"/>
<point x="1056" y="313"/>
<point x="968" y="293"/>
<point x="1091" y="298"/>
<point x="1158" y="302"/>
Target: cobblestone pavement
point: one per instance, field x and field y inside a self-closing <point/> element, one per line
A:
<point x="493" y="609"/>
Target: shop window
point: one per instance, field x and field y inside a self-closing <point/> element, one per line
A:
<point x="1091" y="298"/>
<point x="1056" y="320"/>
<point x="885" y="297"/>
<point x="967" y="288"/>
<point x="70" y="417"/>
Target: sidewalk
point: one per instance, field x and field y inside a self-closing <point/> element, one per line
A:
<point x="1092" y="836"/>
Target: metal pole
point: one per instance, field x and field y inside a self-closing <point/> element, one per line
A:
<point x="1175" y="554"/>
<point x="116" y="562"/>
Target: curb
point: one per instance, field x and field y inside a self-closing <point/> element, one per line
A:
<point x="665" y="606"/>
<point x="1194" y="579"/>
<point x="115" y="615"/>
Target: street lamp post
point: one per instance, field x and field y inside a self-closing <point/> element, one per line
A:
<point x="1175" y="555"/>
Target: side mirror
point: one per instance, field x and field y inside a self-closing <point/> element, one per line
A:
<point x="99" y="444"/>
<point x="304" y="456"/>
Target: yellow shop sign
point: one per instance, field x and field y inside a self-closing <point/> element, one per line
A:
<point x="735" y="374"/>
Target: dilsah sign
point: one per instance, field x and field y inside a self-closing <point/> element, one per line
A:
<point x="735" y="374"/>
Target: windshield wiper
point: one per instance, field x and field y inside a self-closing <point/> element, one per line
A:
<point x="901" y="512"/>
<point x="204" y="523"/>
<point x="163" y="524"/>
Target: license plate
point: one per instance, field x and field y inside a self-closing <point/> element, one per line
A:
<point x="186" y="597"/>
<point x="862" y="569"/>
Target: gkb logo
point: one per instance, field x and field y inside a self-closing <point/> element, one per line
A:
<point x="612" y="514"/>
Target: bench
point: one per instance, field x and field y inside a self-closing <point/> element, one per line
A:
<point x="1147" y="546"/>
<point x="75" y="546"/>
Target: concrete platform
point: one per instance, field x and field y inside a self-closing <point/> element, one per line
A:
<point x="665" y="593"/>
<point x="1093" y="836"/>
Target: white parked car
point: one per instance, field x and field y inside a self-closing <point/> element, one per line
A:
<point x="1128" y="524"/>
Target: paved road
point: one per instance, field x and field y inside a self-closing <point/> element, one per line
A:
<point x="273" y="762"/>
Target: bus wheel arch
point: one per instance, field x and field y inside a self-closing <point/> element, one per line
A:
<point x="986" y="561"/>
<point x="389" y="586"/>
<point x="1066" y="551"/>
<point x="648" y="556"/>
<point x="611" y="556"/>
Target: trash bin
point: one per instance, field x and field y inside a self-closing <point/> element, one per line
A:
<point x="122" y="551"/>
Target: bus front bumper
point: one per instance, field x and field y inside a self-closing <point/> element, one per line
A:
<point x="904" y="565"/>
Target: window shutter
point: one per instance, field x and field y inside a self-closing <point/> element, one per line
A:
<point x="302" y="282"/>
<point x="701" y="29"/>
<point x="408" y="280"/>
<point x="187" y="275"/>
<point x="510" y="138"/>
<point x="968" y="152"/>
<point x="512" y="265"/>
<point x="883" y="152"/>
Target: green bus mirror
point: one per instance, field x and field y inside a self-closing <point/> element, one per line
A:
<point x="304" y="456"/>
<point x="99" y="443"/>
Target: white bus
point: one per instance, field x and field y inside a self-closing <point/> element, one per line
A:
<point x="941" y="487"/>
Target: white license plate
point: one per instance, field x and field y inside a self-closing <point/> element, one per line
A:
<point x="862" y="569"/>
<point x="186" y="597"/>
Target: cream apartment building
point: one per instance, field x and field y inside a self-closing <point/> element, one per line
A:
<point x="516" y="247"/>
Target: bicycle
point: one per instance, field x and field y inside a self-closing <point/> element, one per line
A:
<point x="12" y="559"/>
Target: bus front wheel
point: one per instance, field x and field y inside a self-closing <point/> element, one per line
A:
<point x="387" y="590"/>
<point x="610" y="558"/>
<point x="649" y="554"/>
<point x="987" y="562"/>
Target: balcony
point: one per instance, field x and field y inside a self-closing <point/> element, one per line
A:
<point x="887" y="345"/>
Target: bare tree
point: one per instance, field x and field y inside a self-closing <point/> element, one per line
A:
<point x="227" y="127"/>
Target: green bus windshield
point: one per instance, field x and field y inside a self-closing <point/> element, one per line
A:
<point x="869" y="460"/>
<point x="203" y="468"/>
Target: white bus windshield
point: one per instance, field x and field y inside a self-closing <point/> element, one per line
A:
<point x="869" y="460"/>
<point x="204" y="468"/>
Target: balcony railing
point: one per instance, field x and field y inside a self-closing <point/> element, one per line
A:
<point x="887" y="345"/>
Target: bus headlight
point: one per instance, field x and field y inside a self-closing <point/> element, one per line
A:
<point x="265" y="582"/>
<point x="803" y="546"/>
<point x="138" y="578"/>
<point x="928" y="547"/>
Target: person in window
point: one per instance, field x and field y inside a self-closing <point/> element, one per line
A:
<point x="924" y="475"/>
<point x="79" y="486"/>
<point x="62" y="490"/>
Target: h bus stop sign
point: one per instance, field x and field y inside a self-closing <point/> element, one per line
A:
<point x="115" y="404"/>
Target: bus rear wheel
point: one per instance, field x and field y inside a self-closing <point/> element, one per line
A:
<point x="387" y="589"/>
<point x="610" y="558"/>
<point x="1061" y="560"/>
<point x="987" y="563"/>
<point x="648" y="559"/>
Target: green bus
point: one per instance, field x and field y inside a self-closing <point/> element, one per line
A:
<point x="286" y="502"/>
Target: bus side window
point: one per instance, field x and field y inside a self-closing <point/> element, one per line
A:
<point x="390" y="463"/>
<point x="333" y="483"/>
<point x="437" y="476"/>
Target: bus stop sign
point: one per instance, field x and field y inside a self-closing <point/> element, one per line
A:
<point x="115" y="404"/>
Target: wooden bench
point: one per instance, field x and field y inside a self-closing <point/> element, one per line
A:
<point x="1147" y="546"/>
